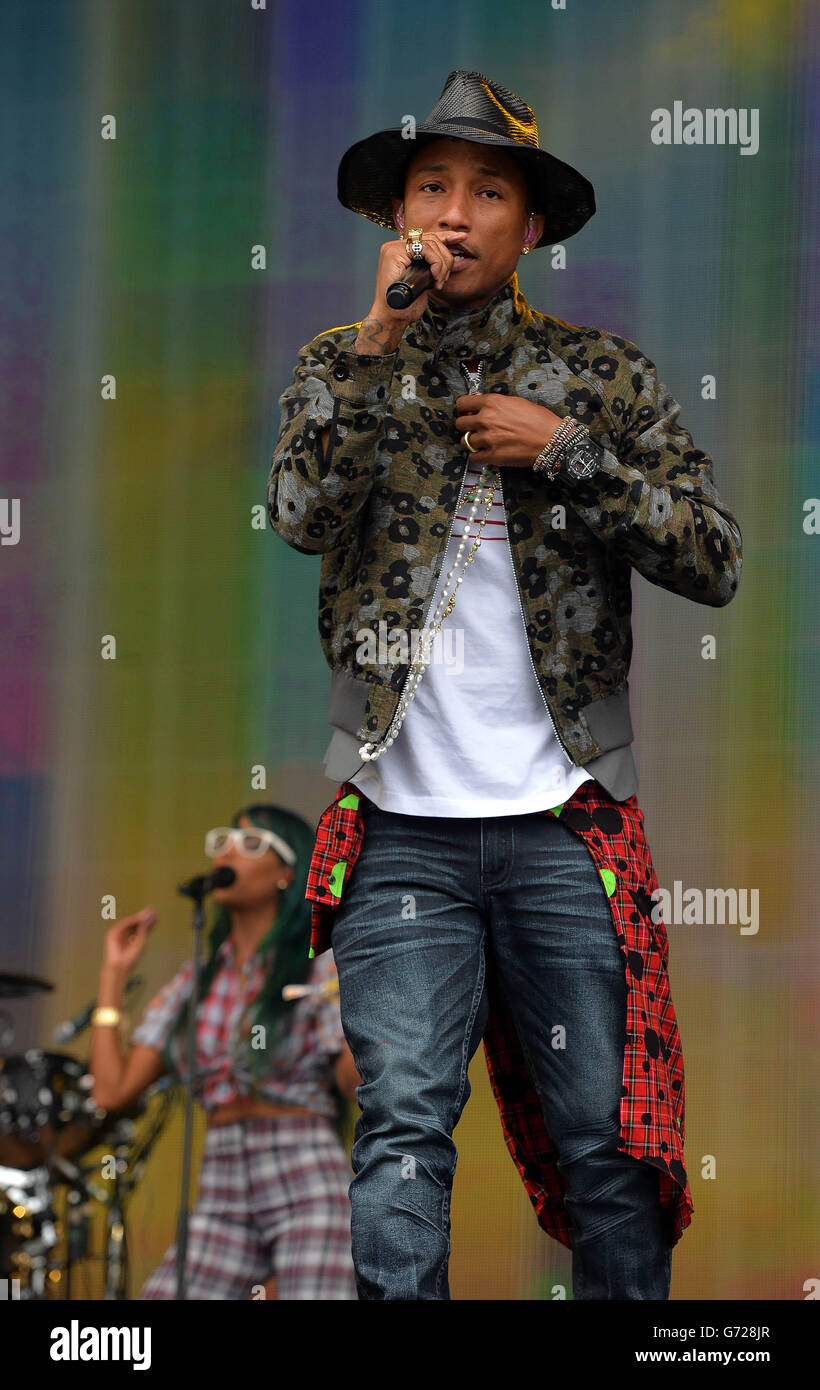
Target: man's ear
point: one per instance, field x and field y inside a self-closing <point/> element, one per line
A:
<point x="534" y="228"/>
<point x="398" y="214"/>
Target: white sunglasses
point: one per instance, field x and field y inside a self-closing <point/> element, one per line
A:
<point x="251" y="843"/>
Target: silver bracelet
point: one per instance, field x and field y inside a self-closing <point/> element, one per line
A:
<point x="551" y="456"/>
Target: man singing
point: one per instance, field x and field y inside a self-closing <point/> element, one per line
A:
<point x="471" y="468"/>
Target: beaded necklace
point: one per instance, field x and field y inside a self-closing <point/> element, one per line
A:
<point x="369" y="752"/>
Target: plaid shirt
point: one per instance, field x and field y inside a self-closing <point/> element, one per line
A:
<point x="652" y="1096"/>
<point x="300" y="1070"/>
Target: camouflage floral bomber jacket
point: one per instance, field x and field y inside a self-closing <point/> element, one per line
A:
<point x="380" y="505"/>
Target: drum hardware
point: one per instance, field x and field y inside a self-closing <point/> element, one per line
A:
<point x="50" y="1129"/>
<point x="41" y="1249"/>
<point x="28" y="1229"/>
<point x="131" y="1159"/>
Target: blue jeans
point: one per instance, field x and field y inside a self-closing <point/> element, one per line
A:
<point x="427" y="899"/>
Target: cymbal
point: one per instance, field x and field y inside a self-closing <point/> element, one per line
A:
<point x="19" y="986"/>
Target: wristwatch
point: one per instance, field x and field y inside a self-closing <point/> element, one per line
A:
<point x="581" y="460"/>
<point x="570" y="453"/>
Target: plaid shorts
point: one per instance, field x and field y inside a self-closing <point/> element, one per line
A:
<point x="272" y="1201"/>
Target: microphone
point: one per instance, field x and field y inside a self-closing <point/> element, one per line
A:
<point x="204" y="884"/>
<point x="66" y="1032"/>
<point x="326" y="990"/>
<point x="417" y="278"/>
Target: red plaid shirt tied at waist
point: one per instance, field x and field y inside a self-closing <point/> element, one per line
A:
<point x="652" y="1095"/>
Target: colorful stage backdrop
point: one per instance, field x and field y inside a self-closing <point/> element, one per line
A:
<point x="136" y="259"/>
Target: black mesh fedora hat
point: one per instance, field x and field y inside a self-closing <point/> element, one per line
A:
<point x="471" y="107"/>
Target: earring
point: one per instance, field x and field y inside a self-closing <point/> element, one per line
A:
<point x="525" y="250"/>
<point x="283" y="883"/>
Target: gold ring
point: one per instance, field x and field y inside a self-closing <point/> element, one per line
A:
<point x="412" y="243"/>
<point x="467" y="443"/>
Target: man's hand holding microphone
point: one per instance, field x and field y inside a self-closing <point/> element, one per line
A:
<point x="382" y="329"/>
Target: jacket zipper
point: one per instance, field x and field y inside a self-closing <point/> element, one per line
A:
<point x="461" y="487"/>
<point x="446" y="548"/>
<point x="430" y="605"/>
<point x="559" y="740"/>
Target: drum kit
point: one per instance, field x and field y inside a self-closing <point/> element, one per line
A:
<point x="52" y="1187"/>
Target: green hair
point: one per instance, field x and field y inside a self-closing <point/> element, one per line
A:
<point x="289" y="941"/>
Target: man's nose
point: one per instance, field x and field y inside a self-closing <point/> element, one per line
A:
<point x="455" y="216"/>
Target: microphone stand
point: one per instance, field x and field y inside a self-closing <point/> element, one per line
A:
<point x="182" y="1223"/>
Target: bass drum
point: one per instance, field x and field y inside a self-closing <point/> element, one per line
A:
<point x="46" y="1109"/>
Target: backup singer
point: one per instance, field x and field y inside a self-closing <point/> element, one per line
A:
<point x="273" y="1208"/>
<point x="472" y="466"/>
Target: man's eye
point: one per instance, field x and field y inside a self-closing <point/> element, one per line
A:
<point x="494" y="191"/>
<point x="425" y="186"/>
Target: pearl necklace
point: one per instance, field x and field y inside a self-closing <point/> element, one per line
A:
<point x="369" y="752"/>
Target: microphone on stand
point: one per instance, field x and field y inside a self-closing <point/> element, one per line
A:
<point x="72" y="1027"/>
<point x="196" y="888"/>
<point x="417" y="278"/>
<point x="199" y="887"/>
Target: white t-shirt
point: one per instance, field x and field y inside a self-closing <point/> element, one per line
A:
<point x="477" y="739"/>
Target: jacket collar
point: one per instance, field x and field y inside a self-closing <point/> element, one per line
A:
<point x="482" y="332"/>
